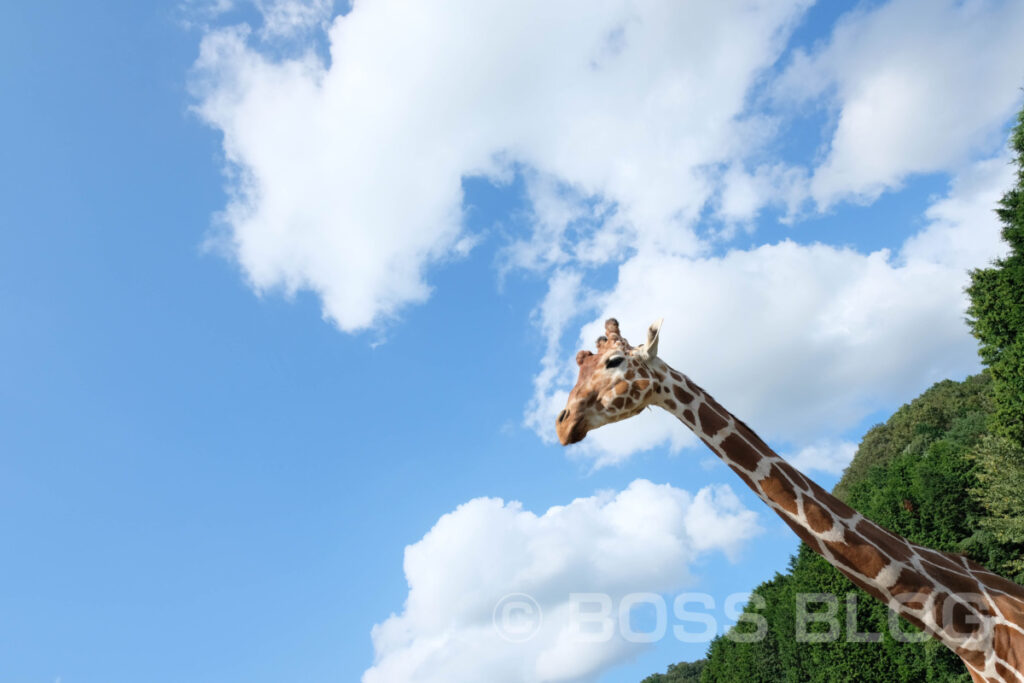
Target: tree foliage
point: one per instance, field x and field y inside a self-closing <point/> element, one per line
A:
<point x="684" y="672"/>
<point x="959" y="410"/>
<point x="1000" y="491"/>
<point x="996" y="313"/>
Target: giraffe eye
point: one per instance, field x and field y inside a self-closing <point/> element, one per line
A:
<point x="614" y="362"/>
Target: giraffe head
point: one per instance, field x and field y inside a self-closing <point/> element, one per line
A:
<point x="616" y="382"/>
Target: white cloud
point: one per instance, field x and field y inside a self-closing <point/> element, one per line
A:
<point x="642" y="539"/>
<point x="197" y="14"/>
<point x="831" y="457"/>
<point x="801" y="341"/>
<point x="919" y="86"/>
<point x="345" y="177"/>
<point x="627" y="120"/>
<point x="287" y="18"/>
<point x="742" y="194"/>
<point x="552" y="316"/>
<point x="962" y="230"/>
<point x="566" y="227"/>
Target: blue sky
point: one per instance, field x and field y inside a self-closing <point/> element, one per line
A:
<point x="289" y="288"/>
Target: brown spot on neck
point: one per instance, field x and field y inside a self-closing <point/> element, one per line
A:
<point x="963" y="620"/>
<point x="887" y="542"/>
<point x="1004" y="671"/>
<point x="910" y="588"/>
<point x="778" y="489"/>
<point x="740" y="452"/>
<point x="1007" y="643"/>
<point x="937" y="558"/>
<point x="975" y="658"/>
<point x="818" y="518"/>
<point x="710" y="422"/>
<point x="857" y="554"/>
<point x="682" y="394"/>
<point x="956" y="581"/>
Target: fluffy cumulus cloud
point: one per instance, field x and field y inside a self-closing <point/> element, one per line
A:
<point x="488" y="552"/>
<point x="644" y="132"/>
<point x="918" y="86"/>
<point x="798" y="340"/>
<point x="345" y="173"/>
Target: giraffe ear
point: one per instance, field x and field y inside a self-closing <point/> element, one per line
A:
<point x="651" y="347"/>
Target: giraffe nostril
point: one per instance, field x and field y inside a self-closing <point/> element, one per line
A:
<point x="562" y="415"/>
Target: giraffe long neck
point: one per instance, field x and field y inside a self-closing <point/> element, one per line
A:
<point x="977" y="614"/>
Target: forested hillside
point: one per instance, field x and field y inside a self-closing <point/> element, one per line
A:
<point x="946" y="471"/>
<point x="917" y="474"/>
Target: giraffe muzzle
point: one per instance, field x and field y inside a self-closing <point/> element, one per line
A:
<point x="570" y="430"/>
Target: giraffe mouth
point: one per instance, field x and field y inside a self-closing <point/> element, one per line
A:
<point x="571" y="432"/>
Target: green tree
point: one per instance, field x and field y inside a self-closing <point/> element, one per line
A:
<point x="996" y="313"/>
<point x="684" y="672"/>
<point x="761" y="659"/>
<point x="959" y="411"/>
<point x="1000" y="490"/>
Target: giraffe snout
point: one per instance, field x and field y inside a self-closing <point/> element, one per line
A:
<point x="570" y="429"/>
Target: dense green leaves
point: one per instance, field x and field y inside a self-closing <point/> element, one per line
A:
<point x="1000" y="492"/>
<point x="996" y="313"/>
<point x="684" y="672"/>
<point x="957" y="410"/>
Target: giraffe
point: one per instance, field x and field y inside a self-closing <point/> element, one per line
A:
<point x="974" y="612"/>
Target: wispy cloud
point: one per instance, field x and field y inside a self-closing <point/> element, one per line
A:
<point x="291" y="18"/>
<point x="919" y="86"/>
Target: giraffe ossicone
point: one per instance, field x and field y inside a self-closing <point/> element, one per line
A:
<point x="976" y="613"/>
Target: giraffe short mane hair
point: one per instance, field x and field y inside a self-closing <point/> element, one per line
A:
<point x="974" y="612"/>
